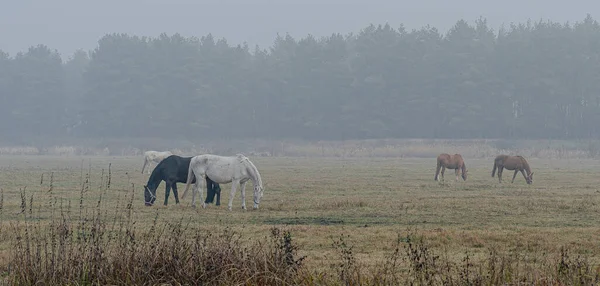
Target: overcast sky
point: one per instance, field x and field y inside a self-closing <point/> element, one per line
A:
<point x="67" y="25"/>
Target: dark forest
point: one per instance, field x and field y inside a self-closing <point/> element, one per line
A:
<point x="533" y="80"/>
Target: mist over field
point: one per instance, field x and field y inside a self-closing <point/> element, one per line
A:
<point x="81" y="24"/>
<point x="175" y="74"/>
<point x="343" y="106"/>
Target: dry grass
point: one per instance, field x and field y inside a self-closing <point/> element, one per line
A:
<point x="376" y="148"/>
<point x="373" y="221"/>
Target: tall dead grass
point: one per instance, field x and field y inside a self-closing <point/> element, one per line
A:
<point x="94" y="245"/>
<point x="413" y="262"/>
<point x="83" y="248"/>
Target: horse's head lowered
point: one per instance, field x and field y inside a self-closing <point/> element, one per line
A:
<point x="529" y="179"/>
<point x="258" y="193"/>
<point x="464" y="174"/>
<point x="149" y="196"/>
<point x="255" y="176"/>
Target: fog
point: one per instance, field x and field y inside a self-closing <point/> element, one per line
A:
<point x="67" y="25"/>
<point x="451" y="73"/>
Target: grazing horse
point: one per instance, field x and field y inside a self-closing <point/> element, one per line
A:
<point x="455" y="162"/>
<point x="173" y="170"/>
<point x="225" y="169"/>
<point x="517" y="163"/>
<point x="154" y="157"/>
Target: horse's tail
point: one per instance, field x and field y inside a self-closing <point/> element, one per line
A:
<point x="189" y="178"/>
<point x="494" y="170"/>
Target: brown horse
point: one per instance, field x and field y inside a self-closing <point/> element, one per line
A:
<point x="455" y="162"/>
<point x="516" y="163"/>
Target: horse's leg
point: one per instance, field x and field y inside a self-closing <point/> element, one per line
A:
<point x="194" y="190"/>
<point x="456" y="173"/>
<point x="213" y="189"/>
<point x="243" y="191"/>
<point x="443" y="170"/>
<point x="167" y="191"/>
<point x="524" y="176"/>
<point x="437" y="171"/>
<point x="199" y="186"/>
<point x="218" y="193"/>
<point x="234" y="184"/>
<point x="200" y="190"/>
<point x="500" y="169"/>
<point x="174" y="187"/>
<point x="514" y="175"/>
<point x="210" y="193"/>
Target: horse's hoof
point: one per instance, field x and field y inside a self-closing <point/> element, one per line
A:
<point x="148" y="204"/>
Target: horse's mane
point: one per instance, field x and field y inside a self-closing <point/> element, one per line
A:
<point x="245" y="160"/>
<point x="154" y="178"/>
<point x="526" y="165"/>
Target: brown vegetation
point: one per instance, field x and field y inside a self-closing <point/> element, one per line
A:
<point x="386" y="224"/>
<point x="376" y="148"/>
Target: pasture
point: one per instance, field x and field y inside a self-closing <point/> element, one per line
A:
<point x="371" y="202"/>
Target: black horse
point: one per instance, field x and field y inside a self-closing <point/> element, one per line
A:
<point x="173" y="170"/>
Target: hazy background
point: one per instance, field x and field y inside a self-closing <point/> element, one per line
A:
<point x="67" y="25"/>
<point x="182" y="88"/>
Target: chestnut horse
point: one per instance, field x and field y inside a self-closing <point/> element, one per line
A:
<point x="455" y="162"/>
<point x="517" y="163"/>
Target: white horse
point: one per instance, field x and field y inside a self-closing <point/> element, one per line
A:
<point x="154" y="157"/>
<point x="222" y="170"/>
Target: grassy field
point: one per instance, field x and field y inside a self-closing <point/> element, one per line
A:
<point x="368" y="202"/>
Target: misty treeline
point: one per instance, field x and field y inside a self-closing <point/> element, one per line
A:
<point x="539" y="79"/>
